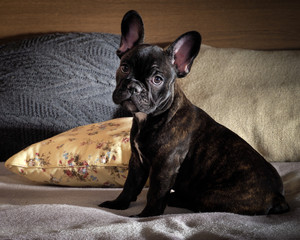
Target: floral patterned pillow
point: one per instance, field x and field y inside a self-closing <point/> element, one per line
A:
<point x="91" y="155"/>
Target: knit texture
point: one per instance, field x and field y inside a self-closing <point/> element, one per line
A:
<point x="55" y="82"/>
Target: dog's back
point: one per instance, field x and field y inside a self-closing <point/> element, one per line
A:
<point x="222" y="172"/>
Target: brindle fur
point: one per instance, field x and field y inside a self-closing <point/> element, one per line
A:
<point x="182" y="148"/>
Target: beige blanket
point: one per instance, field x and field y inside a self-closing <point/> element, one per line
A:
<point x="32" y="211"/>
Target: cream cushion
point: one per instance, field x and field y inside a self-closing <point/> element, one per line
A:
<point x="254" y="93"/>
<point x="90" y="155"/>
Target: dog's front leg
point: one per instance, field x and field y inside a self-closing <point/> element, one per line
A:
<point x="136" y="179"/>
<point x="162" y="180"/>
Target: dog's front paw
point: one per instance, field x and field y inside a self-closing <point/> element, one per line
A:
<point x="146" y="213"/>
<point x="119" y="205"/>
<point x="138" y="216"/>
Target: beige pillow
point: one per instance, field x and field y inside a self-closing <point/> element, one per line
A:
<point x="91" y="155"/>
<point x="254" y="93"/>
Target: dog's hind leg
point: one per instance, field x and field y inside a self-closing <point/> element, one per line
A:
<point x="175" y="200"/>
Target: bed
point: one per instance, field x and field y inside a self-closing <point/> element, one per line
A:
<point x="57" y="68"/>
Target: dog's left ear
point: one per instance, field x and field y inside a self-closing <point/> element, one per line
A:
<point x="132" y="29"/>
<point x="183" y="51"/>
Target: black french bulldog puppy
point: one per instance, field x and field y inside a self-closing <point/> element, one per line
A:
<point x="208" y="167"/>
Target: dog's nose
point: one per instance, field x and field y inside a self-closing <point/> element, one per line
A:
<point x="134" y="88"/>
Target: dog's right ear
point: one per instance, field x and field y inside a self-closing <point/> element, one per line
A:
<point x="132" y="29"/>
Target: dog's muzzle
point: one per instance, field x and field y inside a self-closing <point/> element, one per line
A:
<point x="134" y="88"/>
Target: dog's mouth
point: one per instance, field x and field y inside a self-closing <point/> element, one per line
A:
<point x="129" y="105"/>
<point x="132" y="102"/>
<point x="127" y="100"/>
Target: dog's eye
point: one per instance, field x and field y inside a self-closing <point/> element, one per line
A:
<point x="124" y="68"/>
<point x="157" y="80"/>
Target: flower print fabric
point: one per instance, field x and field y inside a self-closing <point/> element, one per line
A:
<point x="91" y="155"/>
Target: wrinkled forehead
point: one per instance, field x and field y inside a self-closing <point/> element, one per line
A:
<point x="145" y="54"/>
<point x="149" y="51"/>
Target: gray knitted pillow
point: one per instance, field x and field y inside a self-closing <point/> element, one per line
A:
<point x="52" y="83"/>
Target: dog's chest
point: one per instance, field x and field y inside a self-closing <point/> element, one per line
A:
<point x="141" y="118"/>
<point x="136" y="145"/>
